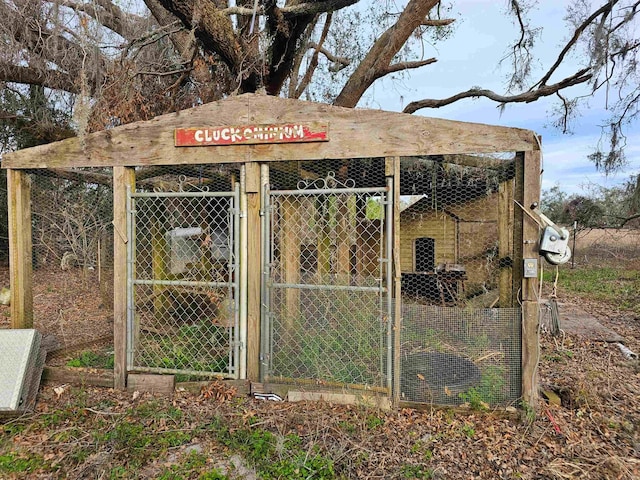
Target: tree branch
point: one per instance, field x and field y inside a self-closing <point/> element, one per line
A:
<point x="437" y="22"/>
<point x="313" y="63"/>
<point x="382" y="52"/>
<point x="603" y="10"/>
<point x="163" y="74"/>
<point x="182" y="41"/>
<point x="69" y="57"/>
<point x="285" y="32"/>
<point x="527" y="97"/>
<point x="309" y="8"/>
<point x="53" y="79"/>
<point x="397" y="67"/>
<point x="330" y="56"/>
<point x="210" y="26"/>
<point x="297" y="61"/>
<point x="515" y="6"/>
<point x="628" y="219"/>
<point x="108" y="15"/>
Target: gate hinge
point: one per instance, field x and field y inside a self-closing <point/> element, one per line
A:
<point x="238" y="344"/>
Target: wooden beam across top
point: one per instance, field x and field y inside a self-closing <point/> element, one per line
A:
<point x="355" y="133"/>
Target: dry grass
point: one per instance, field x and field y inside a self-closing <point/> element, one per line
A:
<point x="608" y="238"/>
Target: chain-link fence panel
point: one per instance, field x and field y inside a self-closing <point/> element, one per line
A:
<point x="328" y="290"/>
<point x="183" y="305"/>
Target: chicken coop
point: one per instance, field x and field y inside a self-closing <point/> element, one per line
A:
<point x="288" y="243"/>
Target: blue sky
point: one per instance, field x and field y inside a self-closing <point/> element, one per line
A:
<point x="471" y="58"/>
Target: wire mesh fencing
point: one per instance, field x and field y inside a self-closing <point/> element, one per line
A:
<point x="328" y="281"/>
<point x="460" y="337"/>
<point x="451" y="355"/>
<point x="72" y="255"/>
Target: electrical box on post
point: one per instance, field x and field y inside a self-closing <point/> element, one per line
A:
<point x="530" y="267"/>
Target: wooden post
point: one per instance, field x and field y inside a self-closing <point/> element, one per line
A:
<point x="528" y="191"/>
<point x="343" y="246"/>
<point x="505" y="243"/>
<point x="392" y="168"/>
<point x="290" y="254"/>
<point x="20" y="248"/>
<point x="159" y="267"/>
<point x="123" y="177"/>
<point x="254" y="273"/>
<point x="324" y="250"/>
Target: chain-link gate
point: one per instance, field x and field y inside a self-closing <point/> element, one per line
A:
<point x="183" y="282"/>
<point x="327" y="285"/>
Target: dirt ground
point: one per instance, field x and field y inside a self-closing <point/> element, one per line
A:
<point x="67" y="304"/>
<point x="593" y="434"/>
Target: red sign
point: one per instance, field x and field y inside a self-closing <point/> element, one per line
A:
<point x="252" y="134"/>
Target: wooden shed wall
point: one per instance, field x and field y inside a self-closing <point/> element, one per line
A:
<point x="437" y="225"/>
<point x="478" y="240"/>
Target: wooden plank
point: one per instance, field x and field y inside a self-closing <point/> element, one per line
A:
<point x="290" y="252"/>
<point x="254" y="270"/>
<point x="143" y="382"/>
<point x="530" y="174"/>
<point x="339" y="398"/>
<point x="354" y="132"/>
<point x="505" y="229"/>
<point x="343" y="245"/>
<point x="123" y="177"/>
<point x="252" y="178"/>
<point x="323" y="246"/>
<point x="509" y="412"/>
<point x="518" y="218"/>
<point x="80" y="377"/>
<point x="20" y="248"/>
